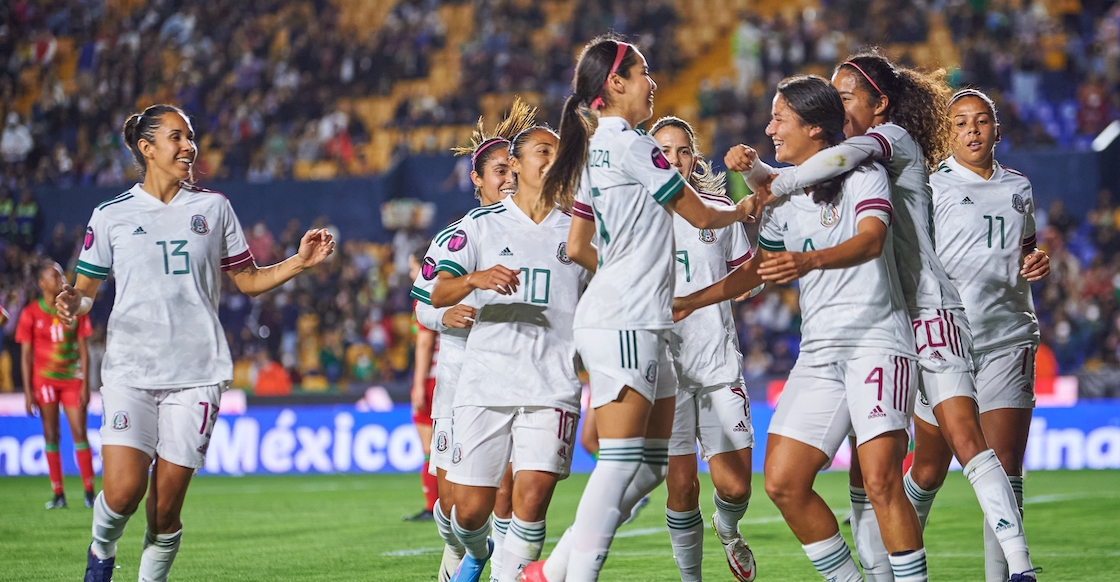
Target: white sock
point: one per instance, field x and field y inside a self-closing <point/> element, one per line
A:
<point x="523" y="546"/>
<point x="995" y="565"/>
<point x="598" y="514"/>
<point x="910" y="567"/>
<point x="869" y="540"/>
<point x="108" y="527"/>
<point x="443" y="526"/>
<point x="158" y="555"/>
<point x="833" y="559"/>
<point x="498" y="534"/>
<point x="556" y="566"/>
<point x="686" y="533"/>
<point x="1001" y="513"/>
<point x="921" y="499"/>
<point x="728" y="515"/>
<point x="474" y="541"/>
<point x="655" y="465"/>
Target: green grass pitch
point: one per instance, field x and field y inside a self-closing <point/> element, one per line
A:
<point x="349" y="527"/>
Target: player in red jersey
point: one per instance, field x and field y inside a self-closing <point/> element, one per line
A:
<point x="425" y="354"/>
<point x="55" y="365"/>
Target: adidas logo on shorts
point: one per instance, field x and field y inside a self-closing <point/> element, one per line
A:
<point x="741" y="427"/>
<point x="936" y="355"/>
<point x="506" y="253"/>
<point x="966" y="200"/>
<point x="877" y="413"/>
<point x="1003" y="524"/>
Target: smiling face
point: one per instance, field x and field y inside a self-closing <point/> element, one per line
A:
<point x="975" y="133"/>
<point x="794" y="140"/>
<point x="677" y="147"/>
<point x="534" y="158"/>
<point x="632" y="98"/>
<point x="172" y="150"/>
<point x="862" y="109"/>
<point x="497" y="180"/>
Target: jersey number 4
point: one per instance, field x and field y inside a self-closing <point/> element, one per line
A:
<point x="175" y="252"/>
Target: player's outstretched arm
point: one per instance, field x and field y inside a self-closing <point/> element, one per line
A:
<point x="830" y="163"/>
<point x="737" y="283"/>
<point x="867" y="244"/>
<point x="700" y="214"/>
<point x="579" y="247"/>
<point x="315" y="246"/>
<point x="450" y="289"/>
<point x="1036" y="266"/>
<point x="75" y="301"/>
<point x="744" y="159"/>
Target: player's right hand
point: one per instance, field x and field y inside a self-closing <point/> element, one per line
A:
<point x="460" y="316"/>
<point x="29" y="402"/>
<point x="740" y="158"/>
<point x="418" y="396"/>
<point x="67" y="303"/>
<point x="496" y="278"/>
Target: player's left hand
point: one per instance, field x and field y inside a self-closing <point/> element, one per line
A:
<point x="83" y="394"/>
<point x="315" y="246"/>
<point x="1036" y="266"/>
<point x="784" y="267"/>
<point x="67" y="303"/>
<point x="30" y="404"/>
<point x="418" y="396"/>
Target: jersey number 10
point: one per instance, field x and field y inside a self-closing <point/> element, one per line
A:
<point x="176" y="252"/>
<point x="535" y="285"/>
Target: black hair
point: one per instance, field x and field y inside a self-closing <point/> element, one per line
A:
<point x="143" y="126"/>
<point x="817" y="103"/>
<point x="979" y="95"/>
<point x="592" y="72"/>
<point x="702" y="178"/>
<point x="518" y="141"/>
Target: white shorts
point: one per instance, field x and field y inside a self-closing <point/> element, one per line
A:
<point x="821" y="405"/>
<point x="441" y="445"/>
<point x="1005" y="377"/>
<point x="719" y="418"/>
<point x="174" y="425"/>
<point x="944" y="343"/>
<point x="637" y="358"/>
<point x="486" y="439"/>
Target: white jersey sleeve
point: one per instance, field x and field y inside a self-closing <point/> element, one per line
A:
<point x="428" y="316"/>
<point x="646" y="164"/>
<point x="96" y="258"/>
<point x="831" y="162"/>
<point x="235" y="253"/>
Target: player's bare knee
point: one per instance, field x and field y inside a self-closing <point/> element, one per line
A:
<point x="927" y="476"/>
<point x="882" y="485"/>
<point x="123" y="500"/>
<point x="734" y="490"/>
<point x="784" y="490"/>
<point x="684" y="489"/>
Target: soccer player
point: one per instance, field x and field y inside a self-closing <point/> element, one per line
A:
<point x="166" y="363"/>
<point x="896" y="116"/>
<point x="425" y="354"/>
<point x="712" y="404"/>
<point x="626" y="193"/>
<point x="984" y="222"/>
<point x="854" y="371"/>
<point x="55" y="366"/>
<point x="517" y="398"/>
<point x="493" y="181"/>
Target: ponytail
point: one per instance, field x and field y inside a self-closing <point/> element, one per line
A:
<point x="563" y="177"/>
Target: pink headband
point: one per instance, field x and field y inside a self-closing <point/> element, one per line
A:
<point x="865" y="76"/>
<point x="486" y="144"/>
<point x="618" y="56"/>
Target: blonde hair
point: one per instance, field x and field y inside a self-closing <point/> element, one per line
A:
<point x="482" y="146"/>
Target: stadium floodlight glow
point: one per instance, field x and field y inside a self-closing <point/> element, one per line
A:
<point x="1106" y="137"/>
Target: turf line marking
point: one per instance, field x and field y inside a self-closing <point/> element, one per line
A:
<point x="1059" y="497"/>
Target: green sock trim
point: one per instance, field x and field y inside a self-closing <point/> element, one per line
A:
<point x="81" y="446"/>
<point x="51" y="448"/>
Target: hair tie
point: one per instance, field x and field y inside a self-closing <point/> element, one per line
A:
<point x="620" y="52"/>
<point x="865" y="76"/>
<point x="486" y="144"/>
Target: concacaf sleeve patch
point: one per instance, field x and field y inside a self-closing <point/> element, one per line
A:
<point x="659" y="159"/>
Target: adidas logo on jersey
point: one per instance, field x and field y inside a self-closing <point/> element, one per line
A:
<point x="139" y="230"/>
<point x="936" y="355"/>
<point x="966" y="200"/>
<point x="1003" y="524"/>
<point x="741" y="427"/>
<point x="877" y="413"/>
<point x="506" y="253"/>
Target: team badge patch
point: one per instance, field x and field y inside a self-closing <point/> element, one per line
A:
<point x="1019" y="204"/>
<point x="441" y="442"/>
<point x="922" y="397"/>
<point x="651" y="372"/>
<point x="659" y="159"/>
<point x="198" y="224"/>
<point x="120" y="421"/>
<point x="428" y="270"/>
<point x="457" y="455"/>
<point x="88" y="242"/>
<point x="562" y="254"/>
<point x="829" y="216"/>
<point x="707" y="236"/>
<point x="457" y="242"/>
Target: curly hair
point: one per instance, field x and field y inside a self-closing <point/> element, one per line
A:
<point x="702" y="178"/>
<point x="917" y="100"/>
<point x="483" y="145"/>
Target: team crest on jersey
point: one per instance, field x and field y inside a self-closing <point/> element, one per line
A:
<point x="457" y="454"/>
<point x="562" y="254"/>
<point x="428" y="269"/>
<point x="829" y="216"/>
<point x="88" y="242"/>
<point x="1019" y="204"/>
<point x="651" y="372"/>
<point x="457" y="242"/>
<point x="659" y="159"/>
<point x="922" y="397"/>
<point x="120" y="421"/>
<point x="441" y="441"/>
<point x="198" y="224"/>
<point x="707" y="236"/>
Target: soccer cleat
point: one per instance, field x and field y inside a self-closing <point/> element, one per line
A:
<point x="425" y="515"/>
<point x="1027" y="576"/>
<point x="59" y="502"/>
<point x="534" y="572"/>
<point x="470" y="569"/>
<point x="637" y="509"/>
<point x="89" y="498"/>
<point x="449" y="563"/>
<point x="739" y="556"/>
<point x="98" y="570"/>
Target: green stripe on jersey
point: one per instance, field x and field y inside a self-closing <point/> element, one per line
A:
<point x="669" y="190"/>
<point x="478" y="215"/>
<point x="484" y="209"/>
<point x="451" y="267"/>
<point x="92" y="271"/>
<point x="771" y="245"/>
<point x="116" y="200"/>
<point x="420" y="295"/>
<point x="445" y="234"/>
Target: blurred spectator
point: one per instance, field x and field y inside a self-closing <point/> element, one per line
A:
<point x="15" y="143"/>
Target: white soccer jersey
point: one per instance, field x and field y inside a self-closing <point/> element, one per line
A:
<point x="851" y="312"/>
<point x="922" y="276"/>
<point x="983" y="227"/>
<point x="705" y="344"/>
<point x="625" y="184"/>
<point x="167" y="260"/>
<point x="520" y="351"/>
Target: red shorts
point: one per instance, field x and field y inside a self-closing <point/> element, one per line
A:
<point x="67" y="392"/>
<point x="424" y="415"/>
